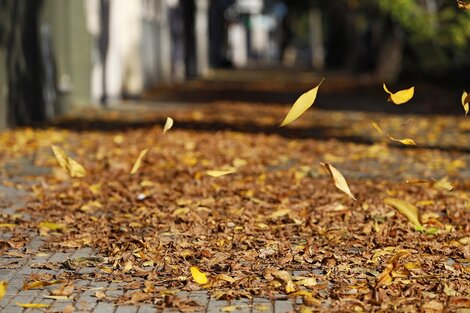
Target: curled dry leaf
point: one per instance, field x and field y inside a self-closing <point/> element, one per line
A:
<point x="463" y="5"/>
<point x="3" y="288"/>
<point x="338" y="179"/>
<point x="33" y="305"/>
<point x="401" y="96"/>
<point x="301" y="105"/>
<point x="405" y="208"/>
<point x="405" y="141"/>
<point x="218" y="173"/>
<point x="168" y="124"/>
<point x="465" y="102"/>
<point x="198" y="276"/>
<point x="72" y="167"/>
<point x="138" y="162"/>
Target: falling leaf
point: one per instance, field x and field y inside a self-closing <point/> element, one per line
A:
<point x="72" y="167"/>
<point x="198" y="276"/>
<point x="401" y="96"/>
<point x="405" y="208"/>
<point x="465" y="102"/>
<point x="3" y="288"/>
<point x="338" y="179"/>
<point x="168" y="124"/>
<point x="405" y="141"/>
<point x="33" y="305"/>
<point x="463" y="5"/>
<point x="137" y="163"/>
<point x="444" y="184"/>
<point x="301" y="105"/>
<point x="218" y="173"/>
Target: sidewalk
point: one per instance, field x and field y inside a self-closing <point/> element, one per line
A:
<point x="125" y="243"/>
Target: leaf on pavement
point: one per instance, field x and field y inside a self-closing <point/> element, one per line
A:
<point x="72" y="167"/>
<point x="33" y="305"/>
<point x="40" y="284"/>
<point x="338" y="179"/>
<point x="3" y="288"/>
<point x="465" y="102"/>
<point x="218" y="173"/>
<point x="138" y="162"/>
<point x="168" y="124"/>
<point x="301" y="105"/>
<point x="405" y="208"/>
<point x="401" y="96"/>
<point x="198" y="276"/>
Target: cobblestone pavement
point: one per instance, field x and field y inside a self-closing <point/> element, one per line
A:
<point x="19" y="264"/>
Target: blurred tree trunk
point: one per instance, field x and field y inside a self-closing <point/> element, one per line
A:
<point x="390" y="57"/>
<point x="24" y="70"/>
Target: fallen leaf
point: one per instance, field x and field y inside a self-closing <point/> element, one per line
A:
<point x="338" y="179"/>
<point x="401" y="96"/>
<point x="465" y="102"/>
<point x="280" y="213"/>
<point x="3" y="288"/>
<point x="168" y="124"/>
<point x="218" y="173"/>
<point x="72" y="167"/>
<point x="57" y="297"/>
<point x="51" y="226"/>
<point x="68" y="309"/>
<point x="100" y="295"/>
<point x="301" y="105"/>
<point x="198" y="276"/>
<point x="65" y="290"/>
<point x="230" y="308"/>
<point x="463" y="5"/>
<point x="41" y="284"/>
<point x="138" y="162"/>
<point x="33" y="305"/>
<point x="7" y="225"/>
<point x="405" y="208"/>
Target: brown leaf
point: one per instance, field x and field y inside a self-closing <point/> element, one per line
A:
<point x="338" y="179"/>
<point x="73" y="168"/>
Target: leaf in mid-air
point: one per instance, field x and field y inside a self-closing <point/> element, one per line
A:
<point x="301" y="105"/>
<point x="73" y="168"/>
<point x="405" y="208"/>
<point x="338" y="179"/>
<point x="168" y="124"/>
<point x="138" y="162"/>
<point x="401" y="96"/>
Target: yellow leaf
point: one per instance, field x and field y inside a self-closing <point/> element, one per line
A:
<point x="401" y="96"/>
<point x="405" y="208"/>
<point x="72" y="167"/>
<point x="3" y="288"/>
<point x="465" y="102"/>
<point x="51" y="226"/>
<point x="301" y="105"/>
<point x="463" y="5"/>
<point x="443" y="183"/>
<point x="33" y="305"/>
<point x="405" y="141"/>
<point x="7" y="225"/>
<point x="198" y="276"/>
<point x="137" y="163"/>
<point x="230" y="308"/>
<point x="338" y="179"/>
<point x="57" y="297"/>
<point x="168" y="124"/>
<point x="218" y="173"/>
<point x="280" y="213"/>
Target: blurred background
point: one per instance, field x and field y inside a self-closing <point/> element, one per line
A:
<point x="60" y="55"/>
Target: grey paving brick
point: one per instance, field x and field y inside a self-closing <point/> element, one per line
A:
<point x="283" y="306"/>
<point x="126" y="309"/>
<point x="60" y="257"/>
<point x="147" y="308"/>
<point x="12" y="308"/>
<point x="104" y="307"/>
<point x="216" y="305"/>
<point x="83" y="252"/>
<point x="262" y="305"/>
